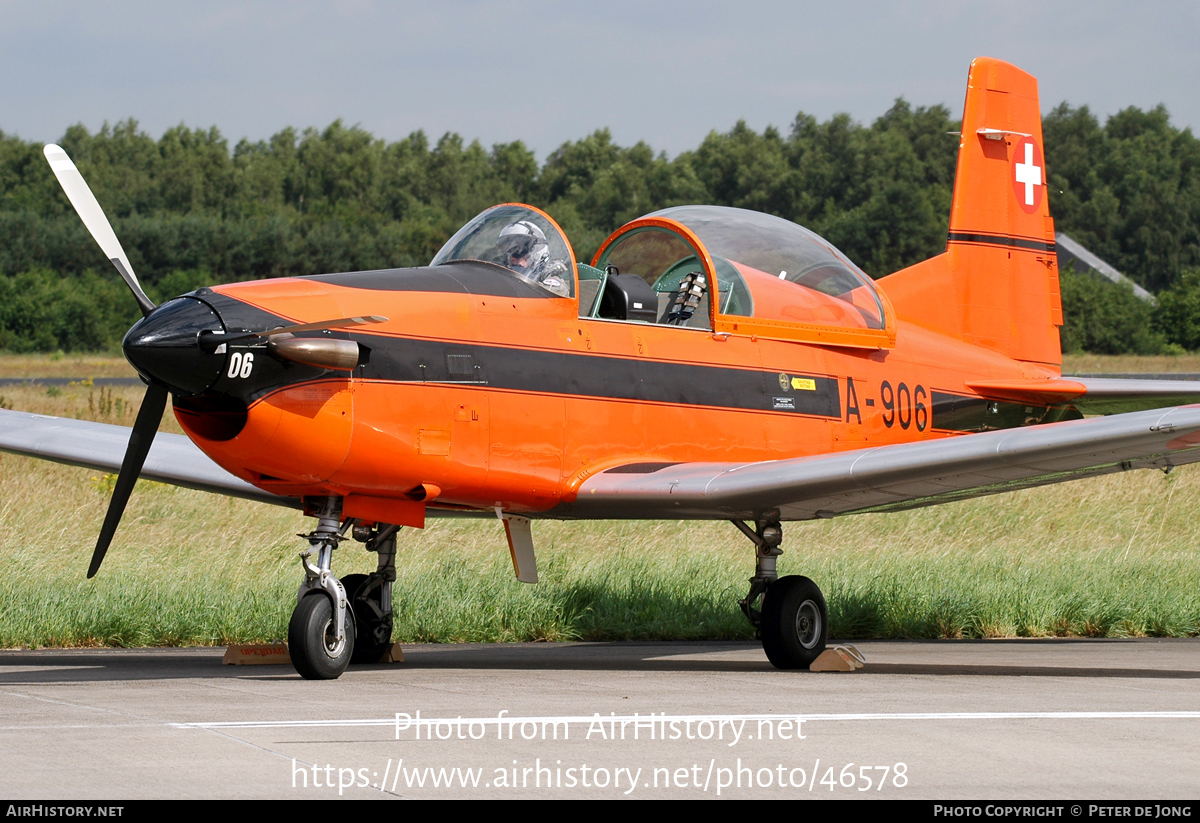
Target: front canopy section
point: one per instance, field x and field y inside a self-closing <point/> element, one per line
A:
<point x="523" y="240"/>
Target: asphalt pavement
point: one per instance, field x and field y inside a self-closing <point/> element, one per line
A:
<point x="1001" y="720"/>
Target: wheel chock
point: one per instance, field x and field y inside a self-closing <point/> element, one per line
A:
<point x="272" y="653"/>
<point x="838" y="659"/>
<point x="256" y="654"/>
<point x="395" y="654"/>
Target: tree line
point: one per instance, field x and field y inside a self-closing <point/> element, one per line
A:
<point x="191" y="210"/>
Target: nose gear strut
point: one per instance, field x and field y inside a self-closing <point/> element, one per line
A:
<point x="320" y="638"/>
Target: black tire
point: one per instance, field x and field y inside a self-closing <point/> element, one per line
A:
<point x="369" y="645"/>
<point x="795" y="623"/>
<point x="310" y="639"/>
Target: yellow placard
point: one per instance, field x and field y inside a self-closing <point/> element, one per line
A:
<point x="804" y="384"/>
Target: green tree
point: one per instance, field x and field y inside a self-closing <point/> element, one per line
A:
<point x="1177" y="317"/>
<point x="1105" y="317"/>
<point x="1129" y="191"/>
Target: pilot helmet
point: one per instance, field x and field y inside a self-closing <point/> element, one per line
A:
<point x="522" y="246"/>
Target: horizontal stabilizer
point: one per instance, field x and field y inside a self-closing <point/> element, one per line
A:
<point x="1038" y="392"/>
<point x="1110" y="395"/>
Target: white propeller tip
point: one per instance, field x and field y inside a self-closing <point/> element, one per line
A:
<point x="59" y="161"/>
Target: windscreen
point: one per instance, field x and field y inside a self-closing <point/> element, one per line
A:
<point x="521" y="240"/>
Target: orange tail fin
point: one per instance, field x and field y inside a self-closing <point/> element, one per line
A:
<point x="997" y="284"/>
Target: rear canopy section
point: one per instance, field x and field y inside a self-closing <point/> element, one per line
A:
<point x="774" y="278"/>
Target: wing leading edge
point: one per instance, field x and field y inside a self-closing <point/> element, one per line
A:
<point x="173" y="458"/>
<point x="889" y="478"/>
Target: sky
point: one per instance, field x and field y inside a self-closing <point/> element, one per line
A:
<point x="544" y="73"/>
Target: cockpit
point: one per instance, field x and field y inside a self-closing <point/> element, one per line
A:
<point x="708" y="268"/>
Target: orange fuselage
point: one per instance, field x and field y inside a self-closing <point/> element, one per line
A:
<point x="483" y="401"/>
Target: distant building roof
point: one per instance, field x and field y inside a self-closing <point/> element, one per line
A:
<point x="1082" y="260"/>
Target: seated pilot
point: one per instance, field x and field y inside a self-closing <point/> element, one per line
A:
<point x="522" y="247"/>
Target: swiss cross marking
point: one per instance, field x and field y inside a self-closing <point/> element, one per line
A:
<point x="1029" y="174"/>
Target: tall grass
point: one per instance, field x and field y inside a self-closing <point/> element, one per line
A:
<point x="1130" y="363"/>
<point x="1116" y="556"/>
<point x="1109" y="557"/>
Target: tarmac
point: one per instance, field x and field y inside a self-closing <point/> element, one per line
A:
<point x="994" y="720"/>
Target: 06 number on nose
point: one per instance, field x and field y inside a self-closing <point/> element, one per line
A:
<point x="241" y="364"/>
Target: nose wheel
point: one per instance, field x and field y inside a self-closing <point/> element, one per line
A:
<point x="321" y="631"/>
<point x="317" y="651"/>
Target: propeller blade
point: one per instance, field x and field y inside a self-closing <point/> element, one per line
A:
<point x="93" y="218"/>
<point x="144" y="429"/>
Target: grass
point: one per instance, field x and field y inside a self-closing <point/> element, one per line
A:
<point x="1117" y="556"/>
<point x="64" y="365"/>
<point x="1130" y="363"/>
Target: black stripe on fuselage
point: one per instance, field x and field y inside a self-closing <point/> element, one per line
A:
<point x="414" y="360"/>
<point x="409" y="360"/>
<point x="1005" y="240"/>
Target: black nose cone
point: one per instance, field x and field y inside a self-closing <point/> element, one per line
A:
<point x="163" y="346"/>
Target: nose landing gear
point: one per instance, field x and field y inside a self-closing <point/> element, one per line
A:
<point x="789" y="612"/>
<point x="339" y="622"/>
<point x="320" y="638"/>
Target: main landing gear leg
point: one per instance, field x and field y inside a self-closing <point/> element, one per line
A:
<point x="371" y="595"/>
<point x="321" y="631"/>
<point x="793" y="622"/>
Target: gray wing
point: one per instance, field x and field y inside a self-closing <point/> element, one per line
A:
<point x="1111" y="395"/>
<point x="888" y="478"/>
<point x="173" y="458"/>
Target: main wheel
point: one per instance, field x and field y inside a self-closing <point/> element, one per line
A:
<point x="372" y="633"/>
<point x="795" y="623"/>
<point x="316" y="652"/>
